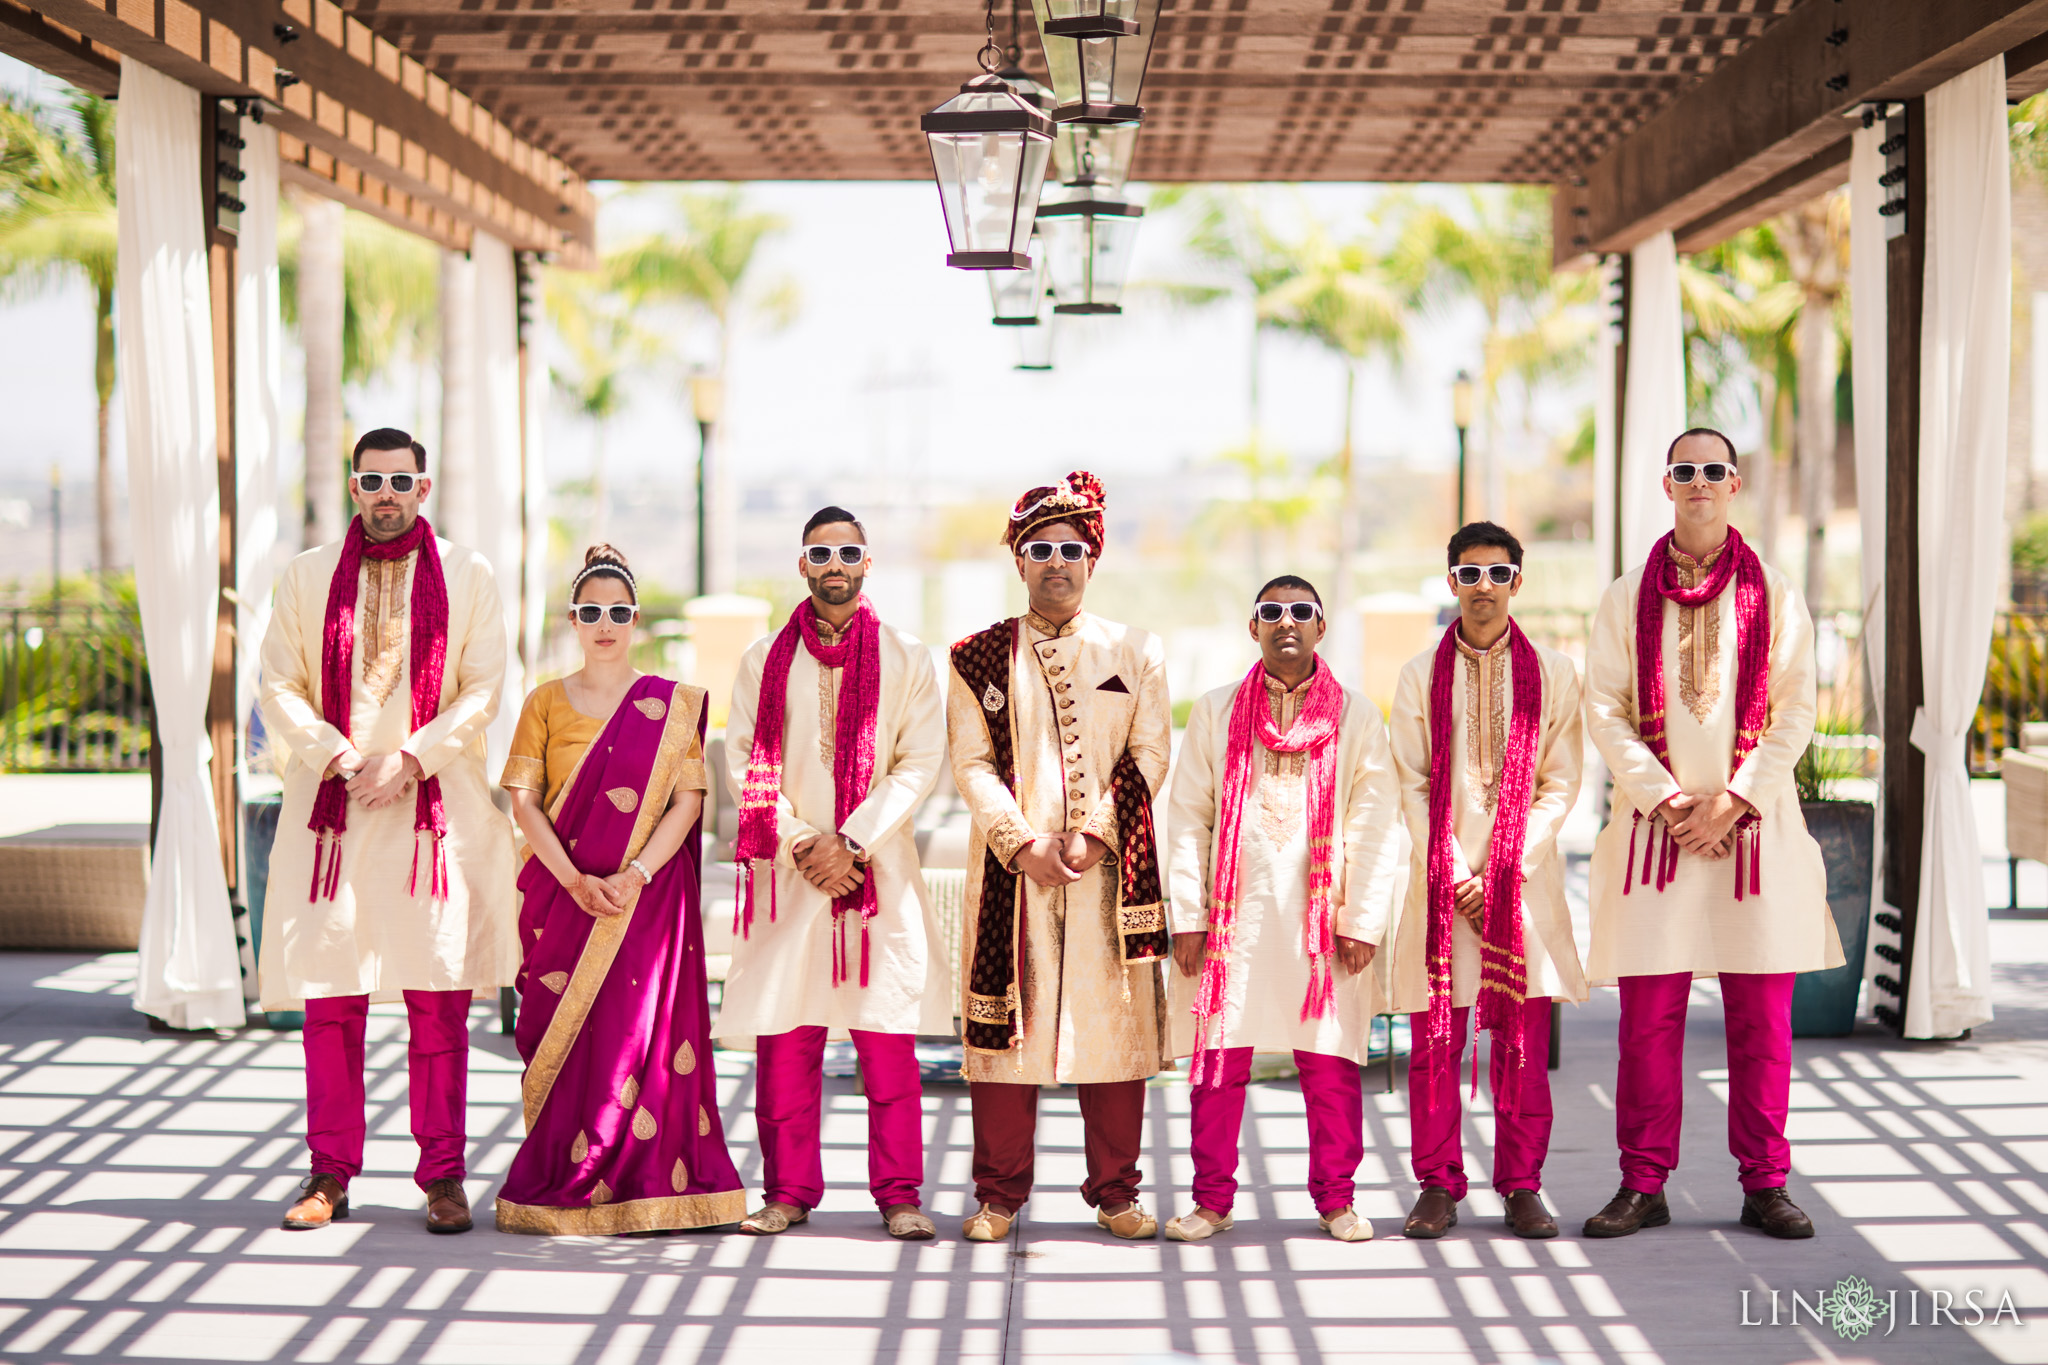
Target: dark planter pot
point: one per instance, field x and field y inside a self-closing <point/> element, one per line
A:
<point x="1824" y="1002"/>
<point x="260" y="833"/>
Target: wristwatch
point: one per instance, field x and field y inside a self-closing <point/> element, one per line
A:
<point x="860" y="855"/>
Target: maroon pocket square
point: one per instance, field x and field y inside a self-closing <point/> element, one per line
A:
<point x="1115" y="684"/>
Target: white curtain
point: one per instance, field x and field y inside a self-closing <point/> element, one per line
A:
<point x="1655" y="402"/>
<point x="498" y="497"/>
<point x="189" y="973"/>
<point x="259" y="382"/>
<point x="1868" y="380"/>
<point x="533" y="609"/>
<point x="1965" y="363"/>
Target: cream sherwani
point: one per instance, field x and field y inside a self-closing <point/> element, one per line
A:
<point x="1695" y="924"/>
<point x="1482" y="704"/>
<point x="781" y="975"/>
<point x="376" y="937"/>
<point x="1269" y="964"/>
<point x="1087" y="1017"/>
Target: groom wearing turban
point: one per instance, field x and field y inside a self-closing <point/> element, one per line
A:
<point x="1061" y="730"/>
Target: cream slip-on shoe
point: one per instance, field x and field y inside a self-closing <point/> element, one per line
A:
<point x="1192" y="1227"/>
<point x="1133" y="1224"/>
<point x="989" y="1223"/>
<point x="1346" y="1226"/>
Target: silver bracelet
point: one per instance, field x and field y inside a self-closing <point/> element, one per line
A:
<point x="646" y="877"/>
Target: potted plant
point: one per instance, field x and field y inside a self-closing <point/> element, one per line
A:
<point x="1824" y="1002"/>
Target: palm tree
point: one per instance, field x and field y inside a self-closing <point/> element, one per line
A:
<point x="604" y="346"/>
<point x="703" y="268"/>
<point x="1339" y="296"/>
<point x="1496" y="255"/>
<point x="1814" y="239"/>
<point x="57" y="224"/>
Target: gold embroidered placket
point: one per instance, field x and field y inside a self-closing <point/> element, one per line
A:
<point x="382" y="639"/>
<point x="1699" y="640"/>
<point x="1486" y="720"/>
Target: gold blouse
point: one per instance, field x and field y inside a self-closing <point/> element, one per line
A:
<point x="552" y="738"/>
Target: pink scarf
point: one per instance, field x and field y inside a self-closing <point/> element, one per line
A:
<point x="859" y="653"/>
<point x="1739" y="564"/>
<point x="429" y="658"/>
<point x="1314" y="729"/>
<point x="1503" y="968"/>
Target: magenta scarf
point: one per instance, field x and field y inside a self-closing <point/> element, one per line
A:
<point x="1503" y="967"/>
<point x="1314" y="729"/>
<point x="859" y="654"/>
<point x="429" y="659"/>
<point x="1738" y="564"/>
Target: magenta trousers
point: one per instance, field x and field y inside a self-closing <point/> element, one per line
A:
<point x="1649" y="1088"/>
<point x="437" y="1056"/>
<point x="789" y="1087"/>
<point x="1521" y="1104"/>
<point x="1336" y="1129"/>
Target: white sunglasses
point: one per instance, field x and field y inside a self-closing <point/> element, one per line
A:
<point x="1042" y="551"/>
<point x="1716" y="471"/>
<point x="590" y="613"/>
<point x="374" y="483"/>
<point x="1500" y="575"/>
<point x="817" y="556"/>
<point x="1272" y="613"/>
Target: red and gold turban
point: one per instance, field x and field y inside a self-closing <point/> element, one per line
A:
<point x="1076" y="500"/>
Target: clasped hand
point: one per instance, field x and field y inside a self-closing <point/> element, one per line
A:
<point x="376" y="780"/>
<point x="604" y="897"/>
<point x="1353" y="955"/>
<point x="1058" y="859"/>
<point x="829" y="865"/>
<point x="1702" y="824"/>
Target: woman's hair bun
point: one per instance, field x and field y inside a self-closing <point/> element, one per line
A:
<point x="604" y="554"/>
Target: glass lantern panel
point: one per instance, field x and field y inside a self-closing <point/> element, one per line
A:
<point x="1065" y="242"/>
<point x="1098" y="70"/>
<point x="1087" y="9"/>
<point x="989" y="185"/>
<point x="1107" y="149"/>
<point x="1015" y="294"/>
<point x="1115" y="239"/>
<point x="1088" y="257"/>
<point x="1034" y="346"/>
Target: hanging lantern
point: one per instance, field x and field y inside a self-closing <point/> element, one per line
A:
<point x="1105" y="148"/>
<point x="1017" y="297"/>
<point x="1034" y="346"/>
<point x="989" y="151"/>
<point x="1088" y="237"/>
<point x="1095" y="51"/>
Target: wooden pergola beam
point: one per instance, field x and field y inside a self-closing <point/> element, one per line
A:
<point x="1786" y="190"/>
<point x="1773" y="106"/>
<point x="338" y="88"/>
<point x="310" y="168"/>
<point x="69" y="56"/>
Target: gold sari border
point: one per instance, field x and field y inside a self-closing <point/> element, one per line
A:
<point x="599" y="950"/>
<point x="671" y="1213"/>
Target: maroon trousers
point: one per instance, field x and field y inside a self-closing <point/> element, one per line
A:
<point x="437" y="1053"/>
<point x="1005" y="1132"/>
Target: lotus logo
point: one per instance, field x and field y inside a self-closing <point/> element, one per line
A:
<point x="1855" y="1308"/>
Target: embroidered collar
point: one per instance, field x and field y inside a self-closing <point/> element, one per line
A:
<point x="1696" y="566"/>
<point x="1281" y="689"/>
<point x="1045" y="627"/>
<point x="1496" y="650"/>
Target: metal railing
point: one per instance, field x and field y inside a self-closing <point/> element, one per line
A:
<point x="74" y="690"/>
<point x="2015" y="686"/>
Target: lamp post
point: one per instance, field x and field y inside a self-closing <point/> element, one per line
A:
<point x="707" y="402"/>
<point x="1461" y="415"/>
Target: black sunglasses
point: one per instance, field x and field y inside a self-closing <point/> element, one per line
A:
<point x="1274" y="612"/>
<point x="1716" y="472"/>
<point x="374" y="483"/>
<point x="1468" y="575"/>
<point x="590" y="613"/>
<point x="1041" y="551"/>
<point x="819" y="555"/>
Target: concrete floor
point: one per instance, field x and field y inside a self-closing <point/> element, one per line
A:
<point x="141" y="1178"/>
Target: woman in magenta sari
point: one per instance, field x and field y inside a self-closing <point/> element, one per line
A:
<point x="622" y="1126"/>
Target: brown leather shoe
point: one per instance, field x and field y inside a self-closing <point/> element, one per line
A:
<point x="1777" y="1215"/>
<point x="447" y="1207"/>
<point x="324" y="1202"/>
<point x="1527" y="1217"/>
<point x="1628" y="1211"/>
<point x="1435" y="1213"/>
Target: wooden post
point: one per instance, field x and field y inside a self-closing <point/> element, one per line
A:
<point x="218" y="135"/>
<point x="1624" y="267"/>
<point x="1905" y="767"/>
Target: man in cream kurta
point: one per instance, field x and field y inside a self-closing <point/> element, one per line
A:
<point x="1079" y="694"/>
<point x="384" y="931"/>
<point x="1655" y="933"/>
<point x="1268" y="968"/>
<point x="1481" y="707"/>
<point x="780" y="995"/>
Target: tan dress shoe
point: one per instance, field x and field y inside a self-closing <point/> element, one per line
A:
<point x="1775" y="1213"/>
<point x="770" y="1219"/>
<point x="1345" y="1225"/>
<point x="1526" y="1216"/>
<point x="1133" y="1224"/>
<point x="447" y="1207"/>
<point x="1627" y="1212"/>
<point x="989" y="1223"/>
<point x="324" y="1201"/>
<point x="1193" y="1227"/>
<point x="907" y="1223"/>
<point x="1435" y="1213"/>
